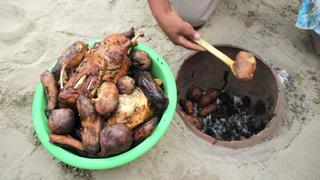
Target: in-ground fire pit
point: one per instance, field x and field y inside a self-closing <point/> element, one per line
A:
<point x="258" y="100"/>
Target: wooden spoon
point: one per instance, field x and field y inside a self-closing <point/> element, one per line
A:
<point x="243" y="68"/>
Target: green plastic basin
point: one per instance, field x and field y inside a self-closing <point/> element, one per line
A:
<point x="160" y="69"/>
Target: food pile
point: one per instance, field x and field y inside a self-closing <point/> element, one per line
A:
<point x="221" y="115"/>
<point x="100" y="102"/>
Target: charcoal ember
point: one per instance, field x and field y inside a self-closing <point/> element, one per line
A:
<point x="237" y="101"/>
<point x="246" y="102"/>
<point x="232" y="120"/>
<point x="230" y="105"/>
<point x="226" y="104"/>
<point x="218" y="130"/>
<point x="257" y="125"/>
<point x="241" y="122"/>
<point x="235" y="135"/>
<point x="195" y="110"/>
<point x="206" y="121"/>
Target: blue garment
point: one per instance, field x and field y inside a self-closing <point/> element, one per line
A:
<point x="309" y="15"/>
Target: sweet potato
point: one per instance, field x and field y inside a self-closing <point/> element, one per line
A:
<point x="91" y="124"/>
<point x="195" y="94"/>
<point x="66" y="141"/>
<point x="208" y="109"/>
<point x="61" y="121"/>
<point x="69" y="143"/>
<point x="50" y="86"/>
<point x="209" y="97"/>
<point x="115" y="139"/>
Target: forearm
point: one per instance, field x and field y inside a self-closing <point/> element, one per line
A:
<point x="159" y="8"/>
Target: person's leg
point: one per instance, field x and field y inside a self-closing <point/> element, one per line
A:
<point x="195" y="12"/>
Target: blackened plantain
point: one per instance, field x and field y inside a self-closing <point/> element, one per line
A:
<point x="152" y="90"/>
<point x="145" y="130"/>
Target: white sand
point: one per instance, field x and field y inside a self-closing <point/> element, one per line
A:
<point x="34" y="32"/>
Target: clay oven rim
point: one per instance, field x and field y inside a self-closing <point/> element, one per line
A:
<point x="255" y="139"/>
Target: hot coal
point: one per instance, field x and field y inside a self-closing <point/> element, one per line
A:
<point x="233" y="120"/>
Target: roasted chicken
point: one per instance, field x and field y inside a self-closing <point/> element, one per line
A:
<point x="107" y="61"/>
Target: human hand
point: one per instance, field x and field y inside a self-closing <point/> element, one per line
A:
<point x="179" y="32"/>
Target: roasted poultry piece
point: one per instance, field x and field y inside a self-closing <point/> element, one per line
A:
<point x="132" y="110"/>
<point x="68" y="61"/>
<point x="107" y="61"/>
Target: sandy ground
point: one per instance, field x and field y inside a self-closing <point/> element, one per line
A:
<point x="34" y="33"/>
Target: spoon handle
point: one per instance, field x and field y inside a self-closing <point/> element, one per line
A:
<point x="224" y="58"/>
